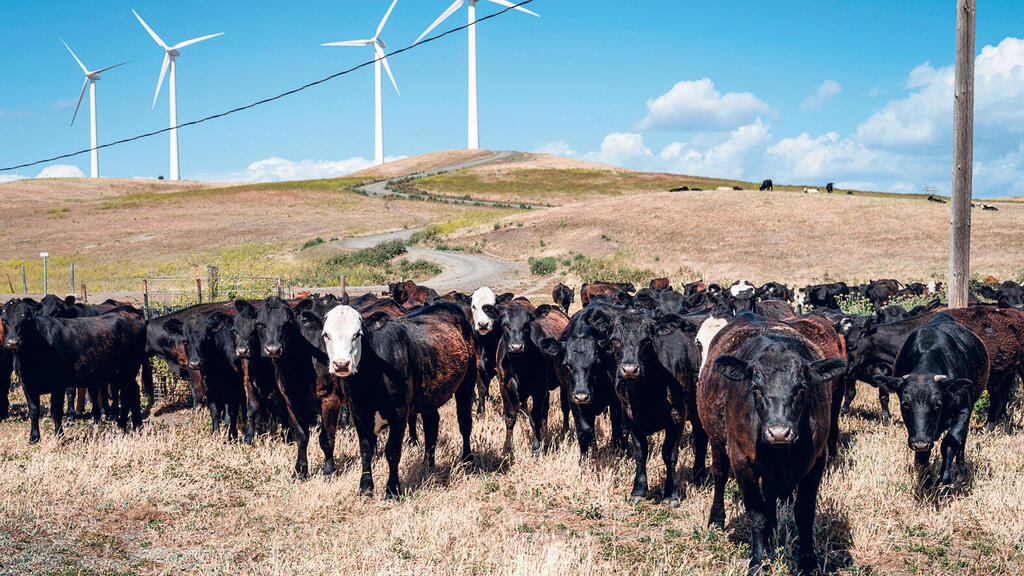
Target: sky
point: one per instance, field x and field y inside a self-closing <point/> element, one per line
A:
<point x="853" y="92"/>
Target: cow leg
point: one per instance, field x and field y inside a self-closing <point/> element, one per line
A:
<point x="699" y="439"/>
<point x="464" y="410"/>
<point x="214" y="416"/>
<point x="641" y="448"/>
<point x="720" y="473"/>
<point x="80" y="402"/>
<point x="584" y="429"/>
<point x="344" y="416"/>
<point x="330" y="409"/>
<point x="393" y="453"/>
<point x="482" y="385"/>
<point x="70" y="394"/>
<point x="5" y="400"/>
<point x="414" y="437"/>
<point x="760" y="522"/>
<point x="511" y="413"/>
<point x="998" y="386"/>
<point x="252" y="410"/>
<point x="803" y="511"/>
<point x="33" y="415"/>
<point x="133" y="398"/>
<point x="96" y="403"/>
<point x="301" y="430"/>
<point x="883" y="400"/>
<point x="670" y="456"/>
<point x="539" y="419"/>
<point x="233" y="407"/>
<point x="57" y="414"/>
<point x="953" y="443"/>
<point x="563" y="398"/>
<point x="851" y="393"/>
<point x="367" y="445"/>
<point x="837" y="403"/>
<point x="620" y="441"/>
<point x="124" y="405"/>
<point x="431" y="420"/>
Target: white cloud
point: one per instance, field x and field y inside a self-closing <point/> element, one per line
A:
<point x="696" y="105"/>
<point x="63" y="103"/>
<point x="10" y="177"/>
<point x="621" y="149"/>
<point x="822" y="94"/>
<point x="560" y="148"/>
<point x="275" y="169"/>
<point x="733" y="157"/>
<point x="61" y="171"/>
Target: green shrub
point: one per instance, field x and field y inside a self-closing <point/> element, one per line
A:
<point x="542" y="266"/>
<point x="314" y="242"/>
<point x="611" y="268"/>
<point x="430" y="233"/>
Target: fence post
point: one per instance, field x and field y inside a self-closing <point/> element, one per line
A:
<point x="43" y="255"/>
<point x="213" y="286"/>
<point x="72" y="277"/>
<point x="9" y="283"/>
<point x="24" y="281"/>
<point x="85" y="294"/>
<point x="145" y="298"/>
<point x="279" y="293"/>
<point x="199" y="285"/>
<point x="342" y="285"/>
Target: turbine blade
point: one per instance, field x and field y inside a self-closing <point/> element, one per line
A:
<point x="84" y="69"/>
<point x="80" y="96"/>
<point x="508" y="4"/>
<point x="160" y="82"/>
<point x="150" y="30"/>
<point x="349" y="43"/>
<point x="384" y="61"/>
<point x="195" y="40"/>
<point x="385" y="19"/>
<point x="455" y="6"/>
<point x="109" y="68"/>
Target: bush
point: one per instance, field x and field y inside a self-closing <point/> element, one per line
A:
<point x="542" y="266"/>
<point x="431" y="233"/>
<point x="314" y="242"/>
<point x="611" y="268"/>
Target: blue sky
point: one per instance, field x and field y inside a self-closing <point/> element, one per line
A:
<point x="851" y="92"/>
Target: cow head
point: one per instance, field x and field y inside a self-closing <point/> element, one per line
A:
<point x="247" y="338"/>
<point x="922" y="400"/>
<point x="582" y="356"/>
<point x="778" y="379"/>
<point x="198" y="332"/>
<point x="483" y="297"/>
<point x="632" y="345"/>
<point x="516" y="322"/>
<point x="278" y="328"/>
<point x="18" y="317"/>
<point x="343" y="337"/>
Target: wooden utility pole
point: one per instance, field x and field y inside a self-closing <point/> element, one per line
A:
<point x="963" y="156"/>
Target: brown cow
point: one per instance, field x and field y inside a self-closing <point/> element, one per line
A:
<point x="659" y="284"/>
<point x="611" y="289"/>
<point x="411" y="295"/>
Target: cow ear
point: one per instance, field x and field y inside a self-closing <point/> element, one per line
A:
<point x="625" y="299"/>
<point x="504" y="299"/>
<point x="601" y="322"/>
<point x="215" y="319"/>
<point x="550" y="347"/>
<point x="959" y="385"/>
<point x="492" y="311"/>
<point x="376" y="321"/>
<point x="304" y="304"/>
<point x="827" y="369"/>
<point x="69" y="300"/>
<point x="174" y="326"/>
<point x="670" y="323"/>
<point x="310" y="320"/>
<point x="629" y="287"/>
<point x="844" y="326"/>
<point x="890" y="384"/>
<point x="344" y="299"/>
<point x="245" y="309"/>
<point x="732" y="368"/>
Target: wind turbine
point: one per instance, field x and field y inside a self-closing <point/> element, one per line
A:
<point x="474" y="120"/>
<point x="170" y="54"/>
<point x="378" y="52"/>
<point x="90" y="81"/>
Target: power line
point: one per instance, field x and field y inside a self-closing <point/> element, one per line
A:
<point x="272" y="98"/>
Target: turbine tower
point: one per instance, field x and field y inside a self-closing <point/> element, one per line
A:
<point x="474" y="119"/>
<point x="378" y="52"/>
<point x="90" y="81"/>
<point x="170" y="54"/>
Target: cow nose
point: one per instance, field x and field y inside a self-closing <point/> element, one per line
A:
<point x="12" y="343"/>
<point x="483" y="327"/>
<point x="779" y="434"/>
<point x="920" y="445"/>
<point x="581" y="398"/>
<point x="516" y="347"/>
<point x="272" y="350"/>
<point x="242" y="352"/>
<point x="341" y="365"/>
<point x="629" y="370"/>
<point x="195" y="364"/>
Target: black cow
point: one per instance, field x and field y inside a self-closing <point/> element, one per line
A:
<point x="766" y="406"/>
<point x="6" y="368"/>
<point x="169" y="344"/>
<point x="652" y="398"/>
<point x="211" y="349"/>
<point x="587" y="369"/>
<point x="766" y="185"/>
<point x="823" y="295"/>
<point x="262" y="399"/>
<point x="55" y="353"/>
<point x="525" y="373"/>
<point x="775" y="291"/>
<point x="878" y="292"/>
<point x="829" y="187"/>
<point x="563" y="297"/>
<point x="391" y="369"/>
<point x="938" y="376"/>
<point x="1008" y="295"/>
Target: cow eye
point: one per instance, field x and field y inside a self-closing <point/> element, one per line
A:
<point x="327" y="336"/>
<point x="356" y="337"/>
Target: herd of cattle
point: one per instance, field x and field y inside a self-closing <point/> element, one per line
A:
<point x="761" y="374"/>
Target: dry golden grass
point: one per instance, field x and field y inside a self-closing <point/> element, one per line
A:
<point x="172" y="500"/>
<point x="48" y="190"/>
<point x="784" y="236"/>
<point x="421" y="163"/>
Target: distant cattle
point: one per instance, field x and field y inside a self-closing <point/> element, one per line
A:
<point x="934" y="199"/>
<point x="525" y="373"/>
<point x="1009" y="294"/>
<point x="409" y="294"/>
<point x="939" y="375"/>
<point x="878" y="292"/>
<point x="823" y="295"/>
<point x="828" y="187"/>
<point x="563" y="296"/>
<point x="766" y="185"/>
<point x="391" y="369"/>
<point x="659" y="284"/>
<point x="766" y="406"/>
<point x="679" y="189"/>
<point x="612" y="289"/>
<point x="691" y="288"/>
<point x="812" y="191"/>
<point x="775" y="291"/>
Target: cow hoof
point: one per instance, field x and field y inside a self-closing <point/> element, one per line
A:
<point x="392" y="494"/>
<point x="717" y="521"/>
<point x="990" y="426"/>
<point x="671" y="502"/>
<point x="300" y="475"/>
<point x="808" y="564"/>
<point x="329" y="468"/>
<point x="885" y="420"/>
<point x="467" y="458"/>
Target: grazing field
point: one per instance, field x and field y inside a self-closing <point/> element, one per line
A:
<point x="171" y="500"/>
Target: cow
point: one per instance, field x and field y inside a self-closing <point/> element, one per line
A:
<point x="613" y="290"/>
<point x="652" y="380"/>
<point x="829" y="187"/>
<point x="932" y="198"/>
<point x="587" y="371"/>
<point x="485" y="316"/>
<point x="6" y="368"/>
<point x="55" y="353"/>
<point x="659" y="284"/>
<point x="775" y="291"/>
<point x="694" y="288"/>
<point x="390" y="369"/>
<point x="812" y="191"/>
<point x="1008" y="295"/>
<point x="823" y="295"/>
<point x="410" y="295"/>
<point x="165" y="339"/>
<point x="525" y="372"/>
<point x="939" y="375"/>
<point x="291" y="339"/>
<point x="766" y="185"/>
<point x="766" y="406"/>
<point x="563" y="297"/>
<point x="259" y="381"/>
<point x="211" y="349"/>
<point x="878" y="292"/>
<point x="742" y="295"/>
